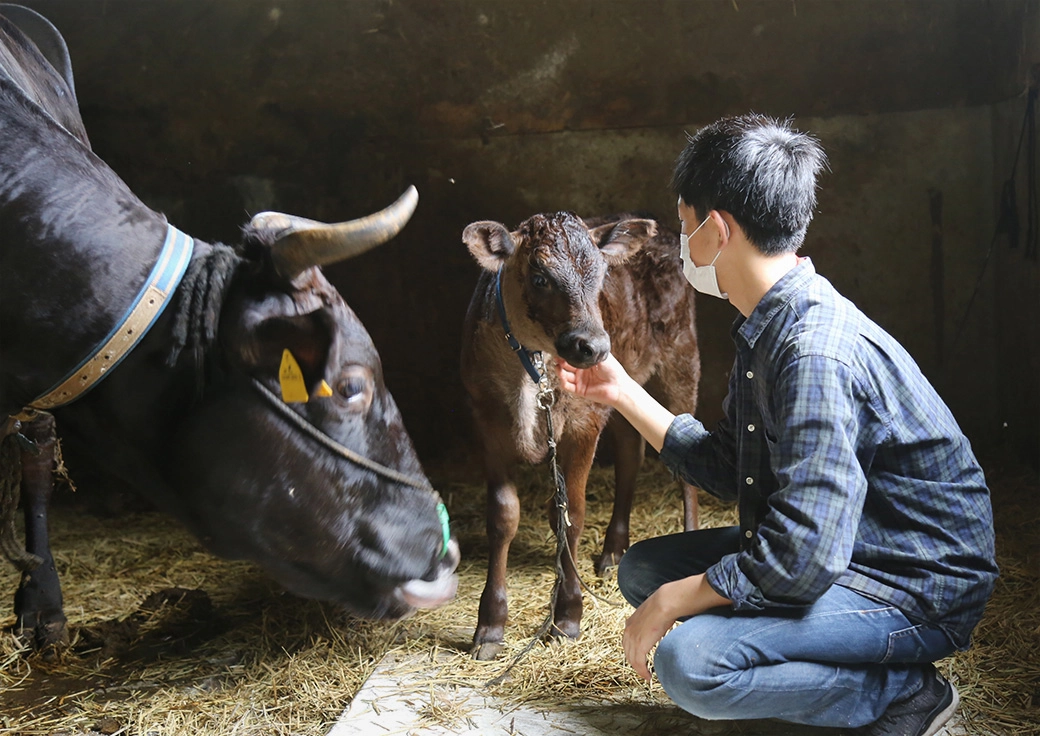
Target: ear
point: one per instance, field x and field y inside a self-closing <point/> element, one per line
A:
<point x="490" y="243"/>
<point x="618" y="241"/>
<point x="721" y="223"/>
<point x="307" y="336"/>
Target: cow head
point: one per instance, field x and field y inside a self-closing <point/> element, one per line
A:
<point x="552" y="269"/>
<point x="272" y="487"/>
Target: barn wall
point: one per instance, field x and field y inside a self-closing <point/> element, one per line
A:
<point x="213" y="110"/>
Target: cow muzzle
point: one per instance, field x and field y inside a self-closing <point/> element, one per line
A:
<point x="440" y="589"/>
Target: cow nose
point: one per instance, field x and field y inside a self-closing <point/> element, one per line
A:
<point x="583" y="349"/>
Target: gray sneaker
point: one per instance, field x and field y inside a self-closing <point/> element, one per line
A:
<point x="922" y="714"/>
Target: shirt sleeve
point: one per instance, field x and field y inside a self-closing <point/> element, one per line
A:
<point x="805" y="541"/>
<point x="702" y="458"/>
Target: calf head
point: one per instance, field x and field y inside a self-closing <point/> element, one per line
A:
<point x="267" y="487"/>
<point x="552" y="270"/>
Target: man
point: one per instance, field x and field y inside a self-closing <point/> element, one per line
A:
<point x="865" y="546"/>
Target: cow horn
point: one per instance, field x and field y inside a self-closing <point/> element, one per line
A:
<point x="301" y="243"/>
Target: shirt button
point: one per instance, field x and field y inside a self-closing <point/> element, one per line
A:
<point x="749" y="374"/>
<point x="748" y="534"/>
<point x="749" y="480"/>
<point x="751" y="428"/>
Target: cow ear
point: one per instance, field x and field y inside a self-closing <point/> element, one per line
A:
<point x="490" y="243"/>
<point x="618" y="241"/>
<point x="308" y="337"/>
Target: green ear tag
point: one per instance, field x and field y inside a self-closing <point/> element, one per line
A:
<point x="442" y="512"/>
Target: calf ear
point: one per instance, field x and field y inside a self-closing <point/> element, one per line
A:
<point x="618" y="241"/>
<point x="307" y="336"/>
<point x="490" y="243"/>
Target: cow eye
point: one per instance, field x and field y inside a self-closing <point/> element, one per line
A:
<point x="539" y="281"/>
<point x="352" y="388"/>
<point x="356" y="387"/>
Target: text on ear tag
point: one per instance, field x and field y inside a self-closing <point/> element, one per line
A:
<point x="294" y="390"/>
<point x="324" y="391"/>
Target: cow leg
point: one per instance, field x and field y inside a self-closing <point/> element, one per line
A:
<point x="38" y="602"/>
<point x="503" y="519"/>
<point x="629" y="450"/>
<point x="575" y="458"/>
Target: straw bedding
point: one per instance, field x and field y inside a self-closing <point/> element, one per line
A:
<point x="167" y="639"/>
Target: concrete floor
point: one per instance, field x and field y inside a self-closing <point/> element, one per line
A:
<point x="420" y="702"/>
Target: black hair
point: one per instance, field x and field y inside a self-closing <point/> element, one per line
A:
<point x="758" y="169"/>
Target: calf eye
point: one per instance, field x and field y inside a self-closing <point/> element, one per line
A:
<point x="356" y="387"/>
<point x="539" y="281"/>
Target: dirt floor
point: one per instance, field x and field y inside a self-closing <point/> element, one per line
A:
<point x="169" y="640"/>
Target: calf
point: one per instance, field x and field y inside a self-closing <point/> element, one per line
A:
<point x="576" y="290"/>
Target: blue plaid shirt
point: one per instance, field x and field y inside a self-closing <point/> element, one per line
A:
<point x="846" y="466"/>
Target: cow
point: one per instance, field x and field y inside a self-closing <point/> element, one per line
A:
<point x="563" y="287"/>
<point x="253" y="408"/>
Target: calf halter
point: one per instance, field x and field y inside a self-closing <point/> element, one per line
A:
<point x="149" y="303"/>
<point x="525" y="355"/>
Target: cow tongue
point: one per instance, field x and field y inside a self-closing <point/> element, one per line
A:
<point x="431" y="593"/>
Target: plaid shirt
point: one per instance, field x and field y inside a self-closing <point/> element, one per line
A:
<point x="846" y="465"/>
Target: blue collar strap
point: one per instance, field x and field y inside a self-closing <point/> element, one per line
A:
<point x="146" y="308"/>
<point x="523" y="353"/>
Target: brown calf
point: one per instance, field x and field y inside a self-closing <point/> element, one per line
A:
<point x="575" y="290"/>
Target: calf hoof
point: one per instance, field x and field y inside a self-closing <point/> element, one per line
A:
<point x="486" y="651"/>
<point x="564" y="631"/>
<point x="606" y="561"/>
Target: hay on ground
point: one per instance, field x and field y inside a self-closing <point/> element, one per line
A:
<point x="170" y="640"/>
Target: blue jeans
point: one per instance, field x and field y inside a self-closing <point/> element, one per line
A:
<point x="838" y="662"/>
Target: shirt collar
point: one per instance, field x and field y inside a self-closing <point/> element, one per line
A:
<point x="778" y="297"/>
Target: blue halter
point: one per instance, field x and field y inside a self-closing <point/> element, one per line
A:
<point x="523" y="353"/>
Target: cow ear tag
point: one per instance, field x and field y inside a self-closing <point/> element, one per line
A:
<point x="324" y="391"/>
<point x="442" y="514"/>
<point x="294" y="390"/>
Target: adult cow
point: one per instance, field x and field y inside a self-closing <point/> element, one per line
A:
<point x="561" y="286"/>
<point x="207" y="415"/>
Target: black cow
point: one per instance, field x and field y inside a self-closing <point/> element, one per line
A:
<point x="327" y="495"/>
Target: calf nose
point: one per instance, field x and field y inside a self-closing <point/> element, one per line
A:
<point x="583" y="349"/>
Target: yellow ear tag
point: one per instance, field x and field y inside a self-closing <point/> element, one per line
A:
<point x="294" y="390"/>
<point x="324" y="391"/>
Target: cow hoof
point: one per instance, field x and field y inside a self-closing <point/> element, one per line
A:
<point x="487" y="651"/>
<point x="47" y="639"/>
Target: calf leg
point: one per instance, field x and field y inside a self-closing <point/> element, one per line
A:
<point x="38" y="602"/>
<point x="690" y="507"/>
<point x="629" y="450"/>
<point x="575" y="457"/>
<point x="503" y="518"/>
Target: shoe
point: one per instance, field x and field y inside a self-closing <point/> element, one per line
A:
<point x="922" y="714"/>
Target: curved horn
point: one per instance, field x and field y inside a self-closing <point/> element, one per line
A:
<point x="300" y="243"/>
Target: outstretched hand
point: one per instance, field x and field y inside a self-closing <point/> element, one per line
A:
<point x="600" y="383"/>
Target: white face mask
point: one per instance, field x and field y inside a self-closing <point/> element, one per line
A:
<point x="701" y="278"/>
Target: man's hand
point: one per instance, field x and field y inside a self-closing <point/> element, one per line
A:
<point x="600" y="383"/>
<point x="655" y="617"/>
<point x="643" y="630"/>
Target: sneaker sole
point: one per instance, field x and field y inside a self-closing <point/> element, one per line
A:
<point x="942" y="717"/>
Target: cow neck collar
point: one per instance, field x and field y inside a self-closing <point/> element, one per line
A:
<point x="527" y="357"/>
<point x="149" y="303"/>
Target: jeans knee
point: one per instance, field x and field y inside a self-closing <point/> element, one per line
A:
<point x="636" y="576"/>
<point x="695" y="680"/>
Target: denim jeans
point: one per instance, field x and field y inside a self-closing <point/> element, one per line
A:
<point x="838" y="662"/>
